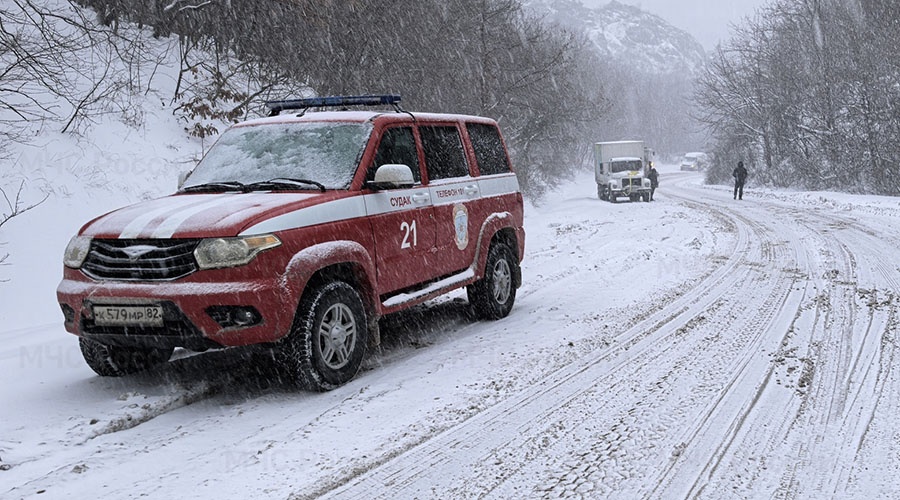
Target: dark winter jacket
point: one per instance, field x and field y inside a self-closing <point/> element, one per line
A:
<point x="740" y="174"/>
<point x="654" y="178"/>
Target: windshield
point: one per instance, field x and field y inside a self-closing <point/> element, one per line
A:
<point x="625" y="166"/>
<point x="326" y="153"/>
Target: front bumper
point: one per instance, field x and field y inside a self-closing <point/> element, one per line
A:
<point x="191" y="311"/>
<point x="630" y="191"/>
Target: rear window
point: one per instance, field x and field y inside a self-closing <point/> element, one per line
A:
<point x="489" y="150"/>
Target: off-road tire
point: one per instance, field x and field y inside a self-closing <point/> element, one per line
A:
<point x="645" y="197"/>
<point x="116" y="361"/>
<point x="328" y="340"/>
<point x="492" y="296"/>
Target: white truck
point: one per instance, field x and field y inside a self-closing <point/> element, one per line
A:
<point x="620" y="169"/>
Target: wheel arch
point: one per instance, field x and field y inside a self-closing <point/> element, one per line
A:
<point x="346" y="261"/>
<point x="497" y="229"/>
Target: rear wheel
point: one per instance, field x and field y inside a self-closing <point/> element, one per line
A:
<point x="115" y="361"/>
<point x="492" y="296"/>
<point x="602" y="192"/>
<point x="327" y="344"/>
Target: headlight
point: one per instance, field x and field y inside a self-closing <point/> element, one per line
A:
<point x="614" y="184"/>
<point x="76" y="251"/>
<point x="231" y="252"/>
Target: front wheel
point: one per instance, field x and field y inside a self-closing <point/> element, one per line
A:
<point x="492" y="296"/>
<point x="116" y="361"/>
<point x="327" y="343"/>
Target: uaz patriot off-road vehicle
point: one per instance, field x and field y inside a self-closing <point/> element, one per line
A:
<point x="299" y="231"/>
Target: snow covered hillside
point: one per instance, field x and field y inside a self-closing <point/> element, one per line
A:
<point x="638" y="39"/>
<point x="695" y="346"/>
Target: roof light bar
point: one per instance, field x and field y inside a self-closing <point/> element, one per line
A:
<point x="275" y="107"/>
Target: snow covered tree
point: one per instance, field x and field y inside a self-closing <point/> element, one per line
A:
<point x="483" y="57"/>
<point x="808" y="93"/>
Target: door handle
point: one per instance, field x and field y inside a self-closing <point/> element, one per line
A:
<point x="471" y="190"/>
<point x="421" y="198"/>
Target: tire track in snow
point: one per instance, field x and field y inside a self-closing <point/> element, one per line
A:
<point x="734" y="475"/>
<point x="472" y="450"/>
<point x="844" y="401"/>
<point x="849" y="385"/>
<point x="772" y="402"/>
<point x="741" y="353"/>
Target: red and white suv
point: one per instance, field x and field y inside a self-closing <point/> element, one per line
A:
<point x="300" y="231"/>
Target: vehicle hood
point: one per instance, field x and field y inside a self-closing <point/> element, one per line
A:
<point x="212" y="215"/>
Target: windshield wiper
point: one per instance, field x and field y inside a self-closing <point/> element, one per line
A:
<point x="272" y="184"/>
<point x="285" y="183"/>
<point x="215" y="187"/>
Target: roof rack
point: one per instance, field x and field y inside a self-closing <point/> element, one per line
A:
<point x="276" y="107"/>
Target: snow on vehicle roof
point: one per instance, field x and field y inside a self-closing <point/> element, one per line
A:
<point x="362" y="116"/>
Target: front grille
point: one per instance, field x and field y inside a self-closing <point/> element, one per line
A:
<point x="140" y="260"/>
<point x="633" y="181"/>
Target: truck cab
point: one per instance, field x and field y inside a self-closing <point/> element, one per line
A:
<point x="620" y="171"/>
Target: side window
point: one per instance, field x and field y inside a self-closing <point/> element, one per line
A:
<point x="397" y="146"/>
<point x="444" y="156"/>
<point x="489" y="150"/>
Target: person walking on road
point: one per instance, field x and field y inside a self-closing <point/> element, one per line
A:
<point x="654" y="180"/>
<point x="740" y="175"/>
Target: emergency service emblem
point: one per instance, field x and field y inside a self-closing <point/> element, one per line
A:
<point x="461" y="224"/>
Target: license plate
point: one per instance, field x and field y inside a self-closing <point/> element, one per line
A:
<point x="128" y="315"/>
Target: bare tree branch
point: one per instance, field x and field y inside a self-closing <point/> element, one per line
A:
<point x="15" y="208"/>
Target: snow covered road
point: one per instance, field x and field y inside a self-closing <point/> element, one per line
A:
<point x="693" y="347"/>
<point x="770" y="374"/>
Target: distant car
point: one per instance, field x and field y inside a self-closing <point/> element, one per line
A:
<point x="689" y="165"/>
<point x="694" y="162"/>
<point x="298" y="231"/>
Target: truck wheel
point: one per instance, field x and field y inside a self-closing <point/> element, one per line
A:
<point x="115" y="361"/>
<point x="601" y="193"/>
<point x="612" y="197"/>
<point x="327" y="343"/>
<point x="645" y="197"/>
<point x="492" y="296"/>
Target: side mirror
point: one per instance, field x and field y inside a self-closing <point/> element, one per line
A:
<point x="182" y="177"/>
<point x="392" y="176"/>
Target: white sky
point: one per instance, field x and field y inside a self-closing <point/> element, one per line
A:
<point x="707" y="20"/>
